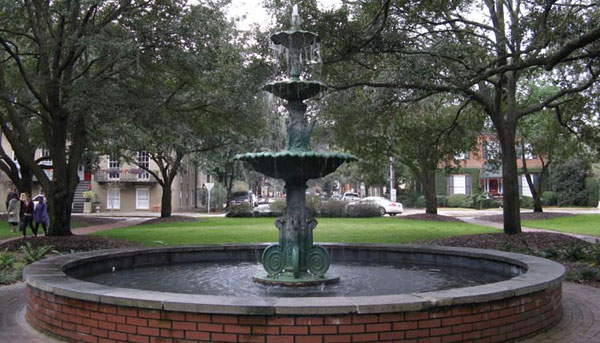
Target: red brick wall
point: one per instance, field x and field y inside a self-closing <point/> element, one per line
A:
<point x="498" y="321"/>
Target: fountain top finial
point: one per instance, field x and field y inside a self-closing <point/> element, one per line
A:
<point x="296" y="20"/>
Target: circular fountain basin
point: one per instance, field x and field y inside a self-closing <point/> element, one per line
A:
<point x="527" y="301"/>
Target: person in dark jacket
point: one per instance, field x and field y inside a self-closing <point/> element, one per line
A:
<point x="26" y="214"/>
<point x="40" y="216"/>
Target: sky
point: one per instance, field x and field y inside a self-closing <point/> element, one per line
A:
<point x="254" y="13"/>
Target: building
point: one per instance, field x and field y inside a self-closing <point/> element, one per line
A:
<point x="119" y="186"/>
<point x="481" y="171"/>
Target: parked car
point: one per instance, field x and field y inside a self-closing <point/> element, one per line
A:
<point x="384" y="205"/>
<point x="349" y="196"/>
<point x="238" y="198"/>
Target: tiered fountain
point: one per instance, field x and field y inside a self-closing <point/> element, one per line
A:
<point x="296" y="261"/>
<point x="204" y="293"/>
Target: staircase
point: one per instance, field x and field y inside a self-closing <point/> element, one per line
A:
<point x="78" y="199"/>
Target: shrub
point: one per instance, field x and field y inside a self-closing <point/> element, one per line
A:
<point x="591" y="188"/>
<point x="332" y="208"/>
<point x="363" y="210"/>
<point x="442" y="200"/>
<point x="573" y="252"/>
<point x="8" y="277"/>
<point x="458" y="200"/>
<point x="483" y="200"/>
<point x="548" y="198"/>
<point x="240" y="211"/>
<point x="408" y="199"/>
<point x="32" y="254"/>
<point x="7" y="260"/>
<point x="594" y="254"/>
<point x="277" y="207"/>
<point x="525" y="202"/>
<point x="313" y="203"/>
<point x="583" y="274"/>
<point x="421" y="202"/>
<point x="568" y="181"/>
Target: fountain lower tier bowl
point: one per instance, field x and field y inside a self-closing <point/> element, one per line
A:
<point x="60" y="303"/>
<point x="295" y="89"/>
<point x="295" y="167"/>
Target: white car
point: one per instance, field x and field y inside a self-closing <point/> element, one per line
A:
<point x="385" y="206"/>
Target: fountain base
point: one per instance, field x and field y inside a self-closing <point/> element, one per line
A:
<point x="289" y="280"/>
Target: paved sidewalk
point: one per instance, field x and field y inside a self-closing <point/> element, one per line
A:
<point x="580" y="322"/>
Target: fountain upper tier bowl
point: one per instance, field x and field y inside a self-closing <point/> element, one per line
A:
<point x="295" y="89"/>
<point x="295" y="39"/>
<point x="295" y="166"/>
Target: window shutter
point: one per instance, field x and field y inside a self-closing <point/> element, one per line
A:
<point x="468" y="184"/>
<point x="451" y="185"/>
<point x="520" y="179"/>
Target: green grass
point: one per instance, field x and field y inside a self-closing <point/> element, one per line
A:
<point x="258" y="230"/>
<point x="6" y="233"/>
<point x="584" y="224"/>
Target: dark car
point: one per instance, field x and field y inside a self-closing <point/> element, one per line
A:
<point x="238" y="198"/>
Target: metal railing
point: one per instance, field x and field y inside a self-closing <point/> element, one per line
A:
<point x="124" y="175"/>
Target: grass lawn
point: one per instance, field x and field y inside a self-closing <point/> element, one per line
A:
<point x="6" y="233"/>
<point x="584" y="224"/>
<point x="258" y="230"/>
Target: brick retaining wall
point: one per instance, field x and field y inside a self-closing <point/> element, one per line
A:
<point x="497" y="321"/>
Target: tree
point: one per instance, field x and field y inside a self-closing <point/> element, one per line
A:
<point x="202" y="94"/>
<point x="483" y="51"/>
<point x="62" y="52"/>
<point x="422" y="136"/>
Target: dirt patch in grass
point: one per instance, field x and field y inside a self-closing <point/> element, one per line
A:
<point x="169" y="220"/>
<point x="498" y="218"/>
<point x="70" y="243"/>
<point x="431" y="217"/>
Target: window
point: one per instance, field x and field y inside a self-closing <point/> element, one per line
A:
<point x="491" y="150"/>
<point x="114" y="169"/>
<point x="113" y="201"/>
<point x="462" y="156"/>
<point x="459" y="184"/>
<point x="142" y="198"/>
<point x="143" y="160"/>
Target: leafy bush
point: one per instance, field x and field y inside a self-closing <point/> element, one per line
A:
<point x="408" y="199"/>
<point x="573" y="252"/>
<point x="8" y="277"/>
<point x="568" y="181"/>
<point x="458" y="200"/>
<point x="517" y="248"/>
<point x="525" y="202"/>
<point x="583" y="274"/>
<point x="483" y="200"/>
<point x="277" y="207"/>
<point x="591" y="188"/>
<point x="7" y="260"/>
<point x="313" y="202"/>
<point x="363" y="210"/>
<point x="218" y="197"/>
<point x="421" y="202"/>
<point x="332" y="208"/>
<point x="32" y="254"/>
<point x="594" y="254"/>
<point x="242" y="210"/>
<point x="442" y="200"/>
<point x="548" y="198"/>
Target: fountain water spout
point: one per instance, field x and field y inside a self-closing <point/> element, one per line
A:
<point x="296" y="20"/>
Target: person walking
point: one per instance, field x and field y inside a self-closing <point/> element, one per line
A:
<point x="40" y="216"/>
<point x="12" y="194"/>
<point x="14" y="213"/>
<point x="26" y="214"/>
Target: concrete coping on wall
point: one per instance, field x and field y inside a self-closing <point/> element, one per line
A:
<point x="532" y="274"/>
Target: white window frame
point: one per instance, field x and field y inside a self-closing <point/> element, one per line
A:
<point x="143" y="159"/>
<point x="138" y="206"/>
<point x="114" y="164"/>
<point x="111" y="204"/>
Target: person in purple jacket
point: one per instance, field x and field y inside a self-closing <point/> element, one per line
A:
<point x="40" y="216"/>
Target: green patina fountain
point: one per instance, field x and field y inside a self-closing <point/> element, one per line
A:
<point x="296" y="261"/>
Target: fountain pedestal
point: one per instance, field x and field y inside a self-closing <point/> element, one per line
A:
<point x="295" y="260"/>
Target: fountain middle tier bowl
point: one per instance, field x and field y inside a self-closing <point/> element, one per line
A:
<point x="295" y="167"/>
<point x="295" y="89"/>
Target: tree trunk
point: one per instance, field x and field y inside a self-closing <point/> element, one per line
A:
<point x="511" y="209"/>
<point x="25" y="183"/>
<point x="60" y="198"/>
<point x="428" y="180"/>
<point x="165" y="203"/>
